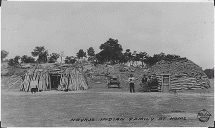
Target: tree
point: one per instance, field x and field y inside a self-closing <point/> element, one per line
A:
<point x="24" y="59"/>
<point x="91" y="52"/>
<point x="123" y="58"/>
<point x="4" y="54"/>
<point x="157" y="57"/>
<point x="27" y="59"/>
<point x="134" y="57"/>
<point x="70" y="60"/>
<point x="41" y="53"/>
<point x="142" y="56"/>
<point x="30" y="60"/>
<point x="127" y="50"/>
<point x="100" y="57"/>
<point x="209" y="73"/>
<point x="81" y="54"/>
<point x="172" y="57"/>
<point x="128" y="55"/>
<point x="11" y="62"/>
<point x="16" y="59"/>
<point x="53" y="57"/>
<point x="111" y="50"/>
<point x="150" y="61"/>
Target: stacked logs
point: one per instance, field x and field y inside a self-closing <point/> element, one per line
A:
<point x="39" y="75"/>
<point x="184" y="74"/>
<point x="186" y="83"/>
<point x="73" y="79"/>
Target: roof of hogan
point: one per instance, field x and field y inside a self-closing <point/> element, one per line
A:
<point x="54" y="68"/>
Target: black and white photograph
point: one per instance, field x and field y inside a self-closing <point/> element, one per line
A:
<point x="107" y="63"/>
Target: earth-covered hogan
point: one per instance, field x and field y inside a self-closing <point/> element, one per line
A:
<point x="184" y="74"/>
<point x="49" y="76"/>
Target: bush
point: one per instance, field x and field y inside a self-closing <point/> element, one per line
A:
<point x="11" y="62"/>
<point x="209" y="73"/>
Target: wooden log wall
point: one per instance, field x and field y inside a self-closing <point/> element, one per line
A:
<point x="72" y="79"/>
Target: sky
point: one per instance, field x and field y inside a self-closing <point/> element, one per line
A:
<point x="185" y="29"/>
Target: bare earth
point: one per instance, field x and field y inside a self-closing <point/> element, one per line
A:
<point x="55" y="108"/>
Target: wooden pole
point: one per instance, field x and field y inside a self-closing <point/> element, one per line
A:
<point x="49" y="79"/>
<point x="61" y="56"/>
<point x="61" y="65"/>
<point x="162" y="84"/>
<point x="169" y="83"/>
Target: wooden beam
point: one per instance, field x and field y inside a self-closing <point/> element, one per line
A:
<point x="169" y="83"/>
<point x="162" y="84"/>
<point x="50" y="83"/>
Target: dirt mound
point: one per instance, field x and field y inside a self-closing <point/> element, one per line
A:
<point x="17" y="70"/>
<point x="184" y="73"/>
<point x="97" y="74"/>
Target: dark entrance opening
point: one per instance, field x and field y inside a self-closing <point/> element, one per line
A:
<point x="55" y="81"/>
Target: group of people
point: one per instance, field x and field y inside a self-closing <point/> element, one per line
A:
<point x="147" y="82"/>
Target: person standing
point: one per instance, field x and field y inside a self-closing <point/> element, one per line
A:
<point x="131" y="83"/>
<point x="144" y="82"/>
<point x="154" y="83"/>
<point x="149" y="83"/>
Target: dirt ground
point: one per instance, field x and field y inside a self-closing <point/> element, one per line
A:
<point x="100" y="106"/>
